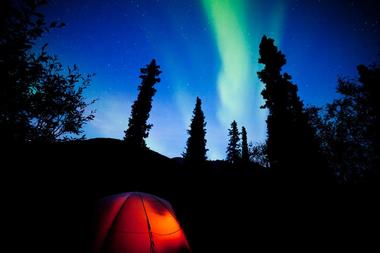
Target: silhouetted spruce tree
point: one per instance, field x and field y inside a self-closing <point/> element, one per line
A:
<point x="233" y="148"/>
<point x="39" y="100"/>
<point x="292" y="148"/>
<point x="195" y="153"/>
<point x="244" y="147"/>
<point x="138" y="129"/>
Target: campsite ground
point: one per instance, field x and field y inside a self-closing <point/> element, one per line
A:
<point x="51" y="191"/>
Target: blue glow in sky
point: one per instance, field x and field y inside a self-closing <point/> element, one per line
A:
<point x="208" y="49"/>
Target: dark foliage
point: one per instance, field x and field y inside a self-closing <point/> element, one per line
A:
<point x="138" y="129"/>
<point x="258" y="154"/>
<point x="39" y="100"/>
<point x="292" y="149"/>
<point x="348" y="128"/>
<point x="233" y="148"/>
<point x="195" y="153"/>
<point x="244" y="147"/>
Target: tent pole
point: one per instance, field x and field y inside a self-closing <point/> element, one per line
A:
<point x="149" y="228"/>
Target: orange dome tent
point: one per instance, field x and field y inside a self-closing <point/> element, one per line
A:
<point x="138" y="222"/>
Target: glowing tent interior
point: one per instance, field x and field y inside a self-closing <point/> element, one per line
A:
<point x="138" y="222"/>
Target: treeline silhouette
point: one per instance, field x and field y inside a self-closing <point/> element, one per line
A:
<point x="249" y="201"/>
<point x="40" y="102"/>
<point x="304" y="146"/>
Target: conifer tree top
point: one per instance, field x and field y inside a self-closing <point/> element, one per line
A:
<point x="195" y="153"/>
<point x="271" y="56"/>
<point x="138" y="128"/>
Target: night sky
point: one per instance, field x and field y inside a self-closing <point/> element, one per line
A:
<point x="208" y="49"/>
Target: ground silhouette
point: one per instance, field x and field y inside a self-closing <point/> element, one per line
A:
<point x="219" y="206"/>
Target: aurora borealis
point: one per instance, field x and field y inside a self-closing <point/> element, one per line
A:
<point x="229" y="22"/>
<point x="209" y="49"/>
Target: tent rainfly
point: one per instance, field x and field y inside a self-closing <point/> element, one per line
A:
<point x="138" y="222"/>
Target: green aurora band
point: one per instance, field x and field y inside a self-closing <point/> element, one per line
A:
<point x="238" y="87"/>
